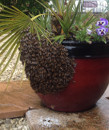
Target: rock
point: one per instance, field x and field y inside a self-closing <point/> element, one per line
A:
<point x="8" y="121"/>
<point x="1" y="122"/>
<point x="41" y="119"/>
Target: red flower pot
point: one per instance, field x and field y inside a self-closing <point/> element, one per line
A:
<point x="89" y="82"/>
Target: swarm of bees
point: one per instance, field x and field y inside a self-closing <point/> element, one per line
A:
<point x="47" y="66"/>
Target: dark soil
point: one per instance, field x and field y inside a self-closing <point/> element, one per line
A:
<point x="46" y="65"/>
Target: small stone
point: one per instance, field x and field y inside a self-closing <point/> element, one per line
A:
<point x="14" y="124"/>
<point x="15" y="128"/>
<point x="25" y="128"/>
<point x="22" y="119"/>
<point x="1" y="122"/>
<point x="4" y="127"/>
<point x="7" y="121"/>
<point x="19" y="127"/>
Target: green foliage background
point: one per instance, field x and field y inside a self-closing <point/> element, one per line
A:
<point x="27" y="6"/>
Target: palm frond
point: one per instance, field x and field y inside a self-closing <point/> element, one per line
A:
<point x="47" y="6"/>
<point x="12" y="24"/>
<point x="59" y="38"/>
<point x="7" y="44"/>
<point x="12" y="55"/>
<point x="57" y="5"/>
<point x="75" y="12"/>
<point x="14" y="68"/>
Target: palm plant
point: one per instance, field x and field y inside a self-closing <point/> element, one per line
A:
<point x="64" y="20"/>
<point x="12" y="23"/>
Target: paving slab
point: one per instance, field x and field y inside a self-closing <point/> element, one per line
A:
<point x="96" y="118"/>
<point x="17" y="99"/>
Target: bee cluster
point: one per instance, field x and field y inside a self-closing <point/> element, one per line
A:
<point x="47" y="66"/>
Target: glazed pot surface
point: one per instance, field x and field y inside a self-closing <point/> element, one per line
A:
<point x="87" y="86"/>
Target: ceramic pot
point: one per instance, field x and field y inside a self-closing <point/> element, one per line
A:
<point x="90" y="80"/>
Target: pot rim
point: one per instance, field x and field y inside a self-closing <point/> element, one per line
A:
<point x="80" y="50"/>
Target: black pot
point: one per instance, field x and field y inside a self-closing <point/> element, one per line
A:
<point x="84" y="50"/>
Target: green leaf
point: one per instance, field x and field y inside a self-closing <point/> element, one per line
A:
<point x="57" y="5"/>
<point x="8" y="43"/>
<point x="59" y="38"/>
<point x="11" y="47"/>
<point x="91" y="20"/>
<point x="75" y="13"/>
<point x="12" y="55"/>
<point x="45" y="5"/>
<point x="14" y="68"/>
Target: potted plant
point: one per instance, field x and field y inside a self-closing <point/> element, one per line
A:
<point x="64" y="50"/>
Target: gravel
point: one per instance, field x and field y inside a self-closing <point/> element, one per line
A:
<point x="7" y="73"/>
<point x="16" y="123"/>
